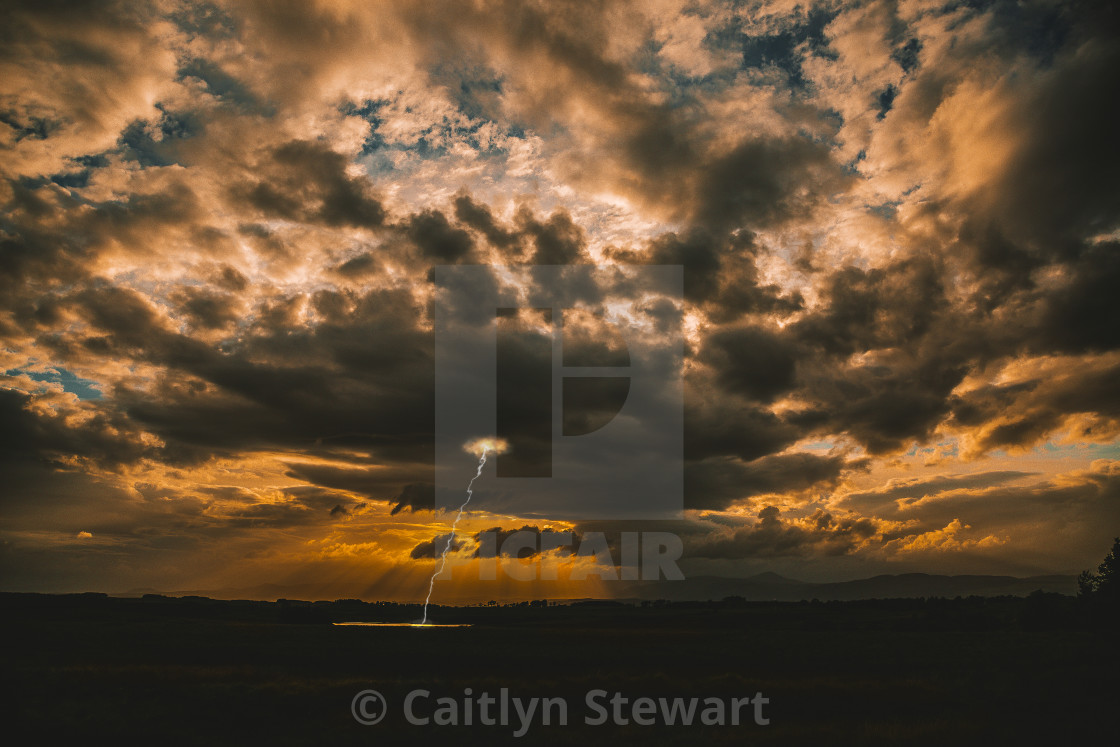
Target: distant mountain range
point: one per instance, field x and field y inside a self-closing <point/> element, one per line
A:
<point x="759" y="588"/>
<point x="771" y="586"/>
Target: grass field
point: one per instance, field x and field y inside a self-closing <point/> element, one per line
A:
<point x="889" y="672"/>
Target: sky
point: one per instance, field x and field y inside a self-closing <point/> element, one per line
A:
<point x="898" y="222"/>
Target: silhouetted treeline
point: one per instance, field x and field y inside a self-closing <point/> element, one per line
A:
<point x="1037" y="611"/>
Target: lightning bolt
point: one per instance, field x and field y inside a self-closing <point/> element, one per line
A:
<point x="451" y="537"/>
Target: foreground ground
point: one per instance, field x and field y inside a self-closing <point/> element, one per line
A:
<point x="165" y="671"/>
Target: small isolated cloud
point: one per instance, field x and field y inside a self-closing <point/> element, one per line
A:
<point x="435" y="547"/>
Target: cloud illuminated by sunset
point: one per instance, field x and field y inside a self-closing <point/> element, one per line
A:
<point x="898" y="225"/>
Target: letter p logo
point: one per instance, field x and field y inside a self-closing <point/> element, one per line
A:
<point x="578" y="370"/>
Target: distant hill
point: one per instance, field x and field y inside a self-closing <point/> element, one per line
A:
<point x="771" y="586"/>
<point x="760" y="588"/>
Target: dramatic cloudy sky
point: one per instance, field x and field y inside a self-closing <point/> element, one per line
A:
<point x="899" y="224"/>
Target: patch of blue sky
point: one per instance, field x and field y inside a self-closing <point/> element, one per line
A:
<point x="382" y="154"/>
<point x="369" y="110"/>
<point x="852" y="166"/>
<point x="887" y="210"/>
<point x="1082" y="450"/>
<point x="30" y="127"/>
<point x="886" y="101"/>
<point x="1064" y="455"/>
<point x="203" y="19"/>
<point x="785" y="47"/>
<point x="947" y="448"/>
<point x="72" y="179"/>
<point x="82" y="388"/>
<point x="157" y="145"/>
<point x="682" y="89"/>
<point x="434" y="143"/>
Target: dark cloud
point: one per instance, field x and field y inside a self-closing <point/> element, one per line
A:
<point x="501" y="535"/>
<point x="698" y="251"/>
<point x="479" y="217"/>
<point x="430" y="548"/>
<point x="557" y="241"/>
<point x="207" y="310"/>
<point x="1081" y="315"/>
<point x="231" y="279"/>
<point x="716" y="483"/>
<point x="220" y="84"/>
<point x="359" y="265"/>
<point x="373" y="482"/>
<point x="872" y="309"/>
<point x="284" y="384"/>
<point x="1023" y="412"/>
<point x="883" y="407"/>
<point x="751" y="432"/>
<point x="437" y="239"/>
<point x="307" y="181"/>
<point x="884" y="501"/>
<point x="761" y="183"/>
<point x="523" y="382"/>
<point x="752" y="361"/>
<point x="822" y="533"/>
<point x="105" y="437"/>
<point x="415" y="497"/>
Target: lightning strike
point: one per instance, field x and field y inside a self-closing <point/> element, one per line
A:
<point x="482" y="447"/>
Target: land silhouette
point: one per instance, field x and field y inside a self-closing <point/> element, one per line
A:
<point x="934" y="670"/>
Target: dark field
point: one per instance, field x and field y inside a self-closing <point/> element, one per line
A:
<point x="163" y="671"/>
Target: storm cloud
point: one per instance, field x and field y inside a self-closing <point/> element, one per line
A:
<point x="898" y="225"/>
